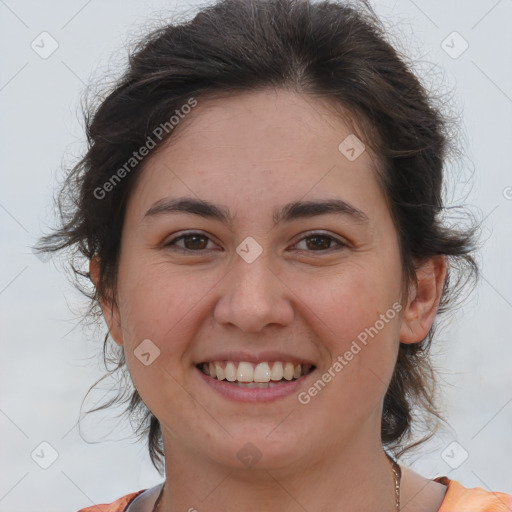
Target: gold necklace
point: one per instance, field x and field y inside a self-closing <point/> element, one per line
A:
<point x="394" y="466"/>
<point x="398" y="476"/>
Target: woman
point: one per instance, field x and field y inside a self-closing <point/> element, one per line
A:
<point x="260" y="207"/>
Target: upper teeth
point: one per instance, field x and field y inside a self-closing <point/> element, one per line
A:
<point x="250" y="372"/>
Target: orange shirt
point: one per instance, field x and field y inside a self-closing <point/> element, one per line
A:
<point x="460" y="499"/>
<point x="457" y="499"/>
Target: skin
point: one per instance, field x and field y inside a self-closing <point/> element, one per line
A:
<point x="252" y="153"/>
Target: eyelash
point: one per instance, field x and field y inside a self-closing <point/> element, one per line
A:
<point x="172" y="243"/>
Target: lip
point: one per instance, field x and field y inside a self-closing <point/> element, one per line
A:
<point x="241" y="394"/>
<point x="261" y="357"/>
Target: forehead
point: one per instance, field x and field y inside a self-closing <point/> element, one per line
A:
<point x="267" y="146"/>
<point x="290" y="116"/>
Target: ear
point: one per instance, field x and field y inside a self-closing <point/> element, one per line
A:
<point x="110" y="310"/>
<point x="423" y="302"/>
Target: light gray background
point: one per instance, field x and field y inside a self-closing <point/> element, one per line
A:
<point x="48" y="362"/>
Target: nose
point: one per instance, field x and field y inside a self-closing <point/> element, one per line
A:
<point x="253" y="296"/>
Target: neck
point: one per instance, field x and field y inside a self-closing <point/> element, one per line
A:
<point x="360" y="478"/>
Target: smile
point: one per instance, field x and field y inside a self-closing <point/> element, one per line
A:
<point x="259" y="375"/>
<point x="255" y="382"/>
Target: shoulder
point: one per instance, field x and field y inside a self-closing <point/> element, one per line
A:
<point x="462" y="499"/>
<point x="117" y="506"/>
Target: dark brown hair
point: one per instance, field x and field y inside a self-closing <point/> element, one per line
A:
<point x="325" y="50"/>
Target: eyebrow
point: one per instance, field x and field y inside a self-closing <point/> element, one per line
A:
<point x="289" y="212"/>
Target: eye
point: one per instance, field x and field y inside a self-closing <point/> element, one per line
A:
<point x="318" y="242"/>
<point x="192" y="242"/>
<point x="198" y="242"/>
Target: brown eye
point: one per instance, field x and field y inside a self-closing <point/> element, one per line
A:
<point x="195" y="242"/>
<point x="318" y="242"/>
<point x="198" y="242"/>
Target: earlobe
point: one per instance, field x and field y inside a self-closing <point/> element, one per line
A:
<point x="423" y="303"/>
<point x="109" y="309"/>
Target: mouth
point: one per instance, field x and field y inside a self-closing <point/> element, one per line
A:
<point x="255" y="375"/>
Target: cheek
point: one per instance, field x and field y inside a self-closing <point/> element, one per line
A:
<point x="156" y="307"/>
<point x="161" y="303"/>
<point x="360" y="334"/>
<point x="358" y="327"/>
<point x="347" y="300"/>
<point x="156" y="297"/>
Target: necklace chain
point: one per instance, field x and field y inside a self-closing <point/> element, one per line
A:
<point x="397" y="472"/>
<point x="398" y="475"/>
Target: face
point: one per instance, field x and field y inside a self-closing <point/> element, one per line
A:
<point x="226" y="283"/>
